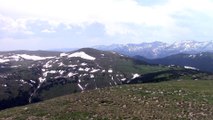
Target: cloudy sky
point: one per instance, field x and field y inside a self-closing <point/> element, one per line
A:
<point x="52" y="24"/>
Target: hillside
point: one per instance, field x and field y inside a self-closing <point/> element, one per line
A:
<point x="29" y="77"/>
<point x="184" y="99"/>
<point x="32" y="76"/>
<point x="202" y="61"/>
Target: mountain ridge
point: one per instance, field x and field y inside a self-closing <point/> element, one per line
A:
<point x="202" y="61"/>
<point x="158" y="49"/>
<point x="28" y="78"/>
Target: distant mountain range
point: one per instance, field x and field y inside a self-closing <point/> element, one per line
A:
<point x="189" y="53"/>
<point x="159" y="49"/>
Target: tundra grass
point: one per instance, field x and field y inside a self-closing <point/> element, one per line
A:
<point x="185" y="99"/>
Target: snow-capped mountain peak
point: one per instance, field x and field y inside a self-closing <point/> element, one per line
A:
<point x="161" y="49"/>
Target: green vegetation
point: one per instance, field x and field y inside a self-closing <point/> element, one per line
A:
<point x="184" y="99"/>
<point x="143" y="68"/>
<point x="202" y="61"/>
<point x="57" y="90"/>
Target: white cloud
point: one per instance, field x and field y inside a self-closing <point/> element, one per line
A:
<point x="78" y="12"/>
<point x="197" y="5"/>
<point x="9" y="43"/>
<point x="48" y="31"/>
<point x="108" y="12"/>
<point x="14" y="25"/>
<point x="122" y="19"/>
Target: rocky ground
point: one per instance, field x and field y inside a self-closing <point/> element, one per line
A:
<point x="184" y="99"/>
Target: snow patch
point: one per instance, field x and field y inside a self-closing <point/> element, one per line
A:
<point x="32" y="81"/>
<point x="94" y="70"/>
<point x="192" y="56"/>
<point x="61" y="72"/>
<point x="92" y="76"/>
<point x="82" y="55"/>
<point x="61" y="64"/>
<point x="4" y="85"/>
<point x="113" y="52"/>
<point x="29" y="57"/>
<point x="24" y="82"/>
<point x="63" y="54"/>
<point x="110" y="71"/>
<point x="79" y="85"/>
<point x="41" y="80"/>
<point x="86" y="85"/>
<point x="171" y="65"/>
<point x="87" y="69"/>
<point x="47" y="65"/>
<point x="71" y="74"/>
<point x="83" y="64"/>
<point x="123" y="79"/>
<point x="85" y="74"/>
<point x="15" y="66"/>
<point x="79" y="80"/>
<point x="135" y="76"/>
<point x="189" y="67"/>
<point x="51" y="72"/>
<point x="81" y="69"/>
<point x="72" y="65"/>
<point x="4" y="60"/>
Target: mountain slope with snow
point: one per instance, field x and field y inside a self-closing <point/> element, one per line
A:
<point x="24" y="81"/>
<point x="28" y="77"/>
<point x="160" y="49"/>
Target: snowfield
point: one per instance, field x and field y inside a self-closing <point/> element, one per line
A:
<point x="82" y="55"/>
<point x="189" y="67"/>
<point x="30" y="57"/>
<point x="110" y="71"/>
<point x="4" y="60"/>
<point x="135" y="76"/>
<point x="17" y="57"/>
<point x="63" y="54"/>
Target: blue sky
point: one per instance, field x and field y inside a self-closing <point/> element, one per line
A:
<point x="52" y="24"/>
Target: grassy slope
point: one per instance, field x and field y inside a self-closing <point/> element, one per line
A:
<point x="165" y="100"/>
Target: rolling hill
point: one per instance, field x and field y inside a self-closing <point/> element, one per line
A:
<point x="29" y="77"/>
